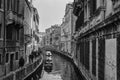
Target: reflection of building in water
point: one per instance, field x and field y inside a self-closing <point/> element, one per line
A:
<point x="63" y="67"/>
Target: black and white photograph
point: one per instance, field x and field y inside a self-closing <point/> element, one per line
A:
<point x="59" y="39"/>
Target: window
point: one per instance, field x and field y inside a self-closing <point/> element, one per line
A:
<point x="16" y="56"/>
<point x="13" y="5"/>
<point x="9" y="32"/>
<point x="93" y="6"/>
<point x="18" y="5"/>
<point x="94" y="57"/>
<point x="8" y="4"/>
<point x="0" y="3"/>
<point x="7" y="57"/>
<point x="85" y="12"/>
<point x="34" y="17"/>
<point x="0" y="58"/>
<point x="87" y="55"/>
<point x="0" y="30"/>
<point x="17" y="34"/>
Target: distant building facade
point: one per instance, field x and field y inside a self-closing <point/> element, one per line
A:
<point x="41" y="36"/>
<point x="67" y="29"/>
<point x="48" y="36"/>
<point x="56" y="36"/>
<point x="52" y="36"/>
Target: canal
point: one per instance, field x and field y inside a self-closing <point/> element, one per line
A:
<point x="62" y="69"/>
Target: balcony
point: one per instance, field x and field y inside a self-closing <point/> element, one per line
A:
<point x="12" y="44"/>
<point x="13" y="16"/>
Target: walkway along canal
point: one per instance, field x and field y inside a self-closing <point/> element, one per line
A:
<point x="36" y="73"/>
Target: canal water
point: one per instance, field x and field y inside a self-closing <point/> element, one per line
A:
<point x="62" y="70"/>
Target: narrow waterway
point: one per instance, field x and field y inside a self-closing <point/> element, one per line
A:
<point x="62" y="70"/>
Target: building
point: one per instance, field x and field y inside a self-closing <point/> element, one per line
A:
<point x="52" y="36"/>
<point x="41" y="36"/>
<point x="35" y="29"/>
<point x="68" y="29"/>
<point x="97" y="38"/>
<point x="42" y="41"/>
<point x="15" y="33"/>
<point x="56" y="36"/>
<point x="47" y="36"/>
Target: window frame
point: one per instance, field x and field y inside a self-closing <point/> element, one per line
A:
<point x="0" y="58"/>
<point x="0" y="30"/>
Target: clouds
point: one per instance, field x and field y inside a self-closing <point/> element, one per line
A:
<point x="50" y="12"/>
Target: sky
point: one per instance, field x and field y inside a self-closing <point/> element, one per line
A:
<point x="51" y="12"/>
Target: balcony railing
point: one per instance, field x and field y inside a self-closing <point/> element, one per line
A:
<point x="21" y="73"/>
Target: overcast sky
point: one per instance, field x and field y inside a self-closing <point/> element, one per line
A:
<point x="50" y="11"/>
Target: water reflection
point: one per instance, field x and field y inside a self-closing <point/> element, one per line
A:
<point x="51" y="76"/>
<point x="61" y="69"/>
<point x="48" y="62"/>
